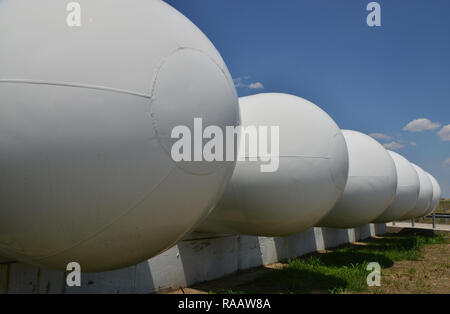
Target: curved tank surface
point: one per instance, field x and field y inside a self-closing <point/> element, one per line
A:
<point x="311" y="176"/>
<point x="408" y="187"/>
<point x="425" y="196"/>
<point x="86" y="118"/>
<point x="437" y="194"/>
<point x="371" y="185"/>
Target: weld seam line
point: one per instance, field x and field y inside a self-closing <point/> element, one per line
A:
<point x="75" y="85"/>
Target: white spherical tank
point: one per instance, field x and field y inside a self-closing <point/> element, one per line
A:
<point x="86" y="118"/>
<point x="408" y="187"/>
<point x="437" y="194"/>
<point x="371" y="184"/>
<point x="310" y="178"/>
<point x="425" y="196"/>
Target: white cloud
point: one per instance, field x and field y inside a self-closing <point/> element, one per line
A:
<point x="395" y="141"/>
<point x="257" y="85"/>
<point x="393" y="146"/>
<point x="381" y="136"/>
<point x="243" y="82"/>
<point x="238" y="82"/>
<point x="420" y="125"/>
<point x="444" y="133"/>
<point x="446" y="165"/>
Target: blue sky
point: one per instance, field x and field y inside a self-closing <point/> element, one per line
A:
<point x="374" y="80"/>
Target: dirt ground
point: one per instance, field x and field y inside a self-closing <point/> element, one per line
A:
<point x="429" y="275"/>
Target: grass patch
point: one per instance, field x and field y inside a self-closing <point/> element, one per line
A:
<point x="341" y="271"/>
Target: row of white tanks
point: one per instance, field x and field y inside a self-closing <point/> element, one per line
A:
<point x="326" y="177"/>
<point x="86" y="116"/>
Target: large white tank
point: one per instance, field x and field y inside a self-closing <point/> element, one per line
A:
<point x="437" y="194"/>
<point x="313" y="169"/>
<point x="425" y="196"/>
<point x="408" y="187"/>
<point x="371" y="184"/>
<point x="86" y="117"/>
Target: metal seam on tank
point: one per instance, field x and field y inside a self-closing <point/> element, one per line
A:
<point x="107" y="225"/>
<point x="369" y="176"/>
<point x="75" y="85"/>
<point x="288" y="156"/>
<point x="407" y="186"/>
<point x="339" y="133"/>
<point x="152" y="99"/>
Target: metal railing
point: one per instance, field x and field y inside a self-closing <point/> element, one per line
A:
<point x="438" y="215"/>
<point x="432" y="216"/>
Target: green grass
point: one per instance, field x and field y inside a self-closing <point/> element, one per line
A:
<point x="340" y="271"/>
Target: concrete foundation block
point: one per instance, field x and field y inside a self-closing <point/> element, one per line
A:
<point x="198" y="258"/>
